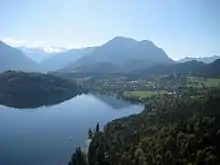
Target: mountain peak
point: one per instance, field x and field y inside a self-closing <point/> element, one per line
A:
<point x="216" y="56"/>
<point x="127" y="40"/>
<point x="120" y="39"/>
<point x="122" y="53"/>
<point x="148" y="43"/>
<point x="216" y="62"/>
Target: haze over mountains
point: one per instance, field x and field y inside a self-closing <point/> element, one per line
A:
<point x="190" y="67"/>
<point x="39" y="53"/>
<point x="61" y="60"/>
<point x="200" y="59"/>
<point x="117" y="55"/>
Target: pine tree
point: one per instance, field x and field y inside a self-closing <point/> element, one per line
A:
<point x="97" y="127"/>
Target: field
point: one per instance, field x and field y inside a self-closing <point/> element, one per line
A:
<point x="142" y="94"/>
<point x="200" y="82"/>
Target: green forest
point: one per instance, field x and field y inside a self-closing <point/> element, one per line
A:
<point x="173" y="129"/>
<point x="31" y="90"/>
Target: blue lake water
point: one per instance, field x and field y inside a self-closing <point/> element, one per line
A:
<point x="49" y="135"/>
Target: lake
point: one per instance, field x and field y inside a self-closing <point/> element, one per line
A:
<point x="49" y="135"/>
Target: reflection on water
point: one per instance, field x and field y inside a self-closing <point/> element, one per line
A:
<point x="48" y="135"/>
<point x="27" y="102"/>
<point x="112" y="101"/>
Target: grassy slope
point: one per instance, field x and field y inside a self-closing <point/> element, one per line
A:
<point x="143" y="94"/>
<point x="199" y="82"/>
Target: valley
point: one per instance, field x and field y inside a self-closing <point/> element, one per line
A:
<point x="180" y="122"/>
<point x="110" y="82"/>
<point x="151" y="109"/>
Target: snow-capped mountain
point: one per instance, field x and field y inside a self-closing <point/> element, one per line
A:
<point x="41" y="53"/>
<point x="45" y="49"/>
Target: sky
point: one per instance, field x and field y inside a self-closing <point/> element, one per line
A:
<point x="181" y="27"/>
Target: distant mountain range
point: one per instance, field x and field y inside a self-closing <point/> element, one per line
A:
<point x="192" y="67"/>
<point x="120" y="55"/>
<point x="13" y="59"/>
<point x="117" y="55"/>
<point x="61" y="60"/>
<point x="40" y="54"/>
<point x="38" y="58"/>
<point x="200" y="59"/>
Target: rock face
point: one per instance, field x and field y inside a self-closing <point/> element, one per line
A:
<point x="120" y="55"/>
<point x="13" y="59"/>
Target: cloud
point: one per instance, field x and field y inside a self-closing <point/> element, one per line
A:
<point x="27" y="43"/>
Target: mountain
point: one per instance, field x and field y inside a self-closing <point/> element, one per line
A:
<point x="181" y="68"/>
<point x="60" y="60"/>
<point x="213" y="69"/>
<point x="201" y="59"/>
<point x="193" y="67"/>
<point x="120" y="55"/>
<point x="13" y="59"/>
<point x="39" y="54"/>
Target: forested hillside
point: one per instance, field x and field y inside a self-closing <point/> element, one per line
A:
<point x="172" y="130"/>
<point x="23" y="90"/>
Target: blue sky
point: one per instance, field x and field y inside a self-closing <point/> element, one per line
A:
<point x="181" y="27"/>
